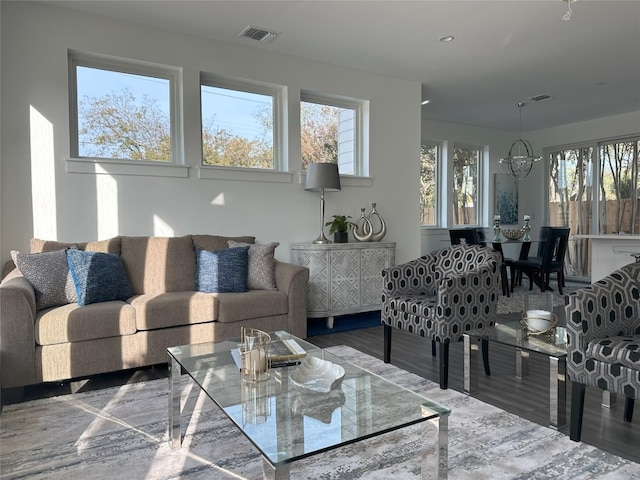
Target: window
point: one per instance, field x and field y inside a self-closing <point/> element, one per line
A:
<point x="240" y="123"/>
<point x="594" y="189"/>
<point x="124" y="110"/>
<point x="332" y="130"/>
<point x="429" y="161"/>
<point x="466" y="173"/>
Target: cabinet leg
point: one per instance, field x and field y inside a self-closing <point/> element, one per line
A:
<point x="330" y="322"/>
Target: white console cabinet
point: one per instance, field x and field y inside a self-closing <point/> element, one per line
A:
<point x="344" y="278"/>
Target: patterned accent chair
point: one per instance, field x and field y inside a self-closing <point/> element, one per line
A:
<point x="440" y="296"/>
<point x="603" y="349"/>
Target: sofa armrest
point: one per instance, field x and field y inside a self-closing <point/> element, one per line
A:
<point x="17" y="331"/>
<point x="292" y="280"/>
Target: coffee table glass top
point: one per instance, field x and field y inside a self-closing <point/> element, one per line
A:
<point x="286" y="425"/>
<point x="513" y="335"/>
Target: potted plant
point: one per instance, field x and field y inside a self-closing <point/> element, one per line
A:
<point x="339" y="226"/>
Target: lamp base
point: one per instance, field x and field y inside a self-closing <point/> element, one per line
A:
<point x="321" y="240"/>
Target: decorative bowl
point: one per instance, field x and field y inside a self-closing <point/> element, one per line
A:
<point x="315" y="375"/>
<point x="539" y="321"/>
<point x="515" y="234"/>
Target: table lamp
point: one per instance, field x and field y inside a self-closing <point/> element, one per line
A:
<point x="321" y="177"/>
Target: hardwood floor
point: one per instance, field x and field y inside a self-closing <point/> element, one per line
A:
<point x="528" y="398"/>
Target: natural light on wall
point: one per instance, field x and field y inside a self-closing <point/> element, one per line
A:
<point x="162" y="228"/>
<point x="218" y="200"/>
<point x="43" y="185"/>
<point x="107" y="203"/>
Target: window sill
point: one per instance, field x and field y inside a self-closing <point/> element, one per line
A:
<point x="243" y="174"/>
<point x="123" y="167"/>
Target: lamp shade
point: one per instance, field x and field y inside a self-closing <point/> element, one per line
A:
<point x="322" y="176"/>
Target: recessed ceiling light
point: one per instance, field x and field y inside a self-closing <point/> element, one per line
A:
<point x="447" y="38"/>
<point x="424" y="102"/>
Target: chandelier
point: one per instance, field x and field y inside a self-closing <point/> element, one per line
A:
<point x="520" y="158"/>
<point x="567" y="16"/>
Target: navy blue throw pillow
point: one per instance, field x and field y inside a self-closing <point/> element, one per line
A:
<point x="221" y="271"/>
<point x="98" y="277"/>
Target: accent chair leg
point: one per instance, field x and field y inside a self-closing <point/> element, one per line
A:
<point x="505" y="280"/>
<point x="444" y="365"/>
<point x="433" y="348"/>
<point x="628" y="409"/>
<point x="485" y="357"/>
<point x="387" y="343"/>
<point x="577" y="410"/>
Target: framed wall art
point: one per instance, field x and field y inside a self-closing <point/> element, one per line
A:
<point x="506" y="198"/>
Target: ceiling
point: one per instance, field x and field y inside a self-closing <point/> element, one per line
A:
<point x="504" y="51"/>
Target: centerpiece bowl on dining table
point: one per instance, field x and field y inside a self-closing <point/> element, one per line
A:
<point x="513" y="234"/>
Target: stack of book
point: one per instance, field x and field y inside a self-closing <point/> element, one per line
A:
<point x="282" y="353"/>
<point x="285" y="353"/>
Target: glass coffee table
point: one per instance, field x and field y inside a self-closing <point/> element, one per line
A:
<point x="286" y="425"/>
<point x="512" y="334"/>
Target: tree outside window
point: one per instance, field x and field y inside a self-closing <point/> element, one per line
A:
<point x="122" y="115"/>
<point x="237" y="128"/>
<point x="466" y="162"/>
<point x="574" y="186"/>
<point x="428" y="163"/>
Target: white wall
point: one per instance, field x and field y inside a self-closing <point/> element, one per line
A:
<point x="35" y="39"/>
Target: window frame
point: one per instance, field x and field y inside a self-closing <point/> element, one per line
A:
<point x="437" y="182"/>
<point x="81" y="164"/>
<point x="361" y="126"/>
<point x="480" y="181"/>
<point x="278" y="96"/>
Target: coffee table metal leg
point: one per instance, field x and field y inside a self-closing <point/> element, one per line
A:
<point x="270" y="472"/>
<point x="175" y="435"/>
<point x="558" y="392"/>
<point x="471" y="346"/>
<point x="522" y="364"/>
<point x="609" y="399"/>
<point x="435" y="457"/>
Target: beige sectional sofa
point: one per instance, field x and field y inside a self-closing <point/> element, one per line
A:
<point x="71" y="341"/>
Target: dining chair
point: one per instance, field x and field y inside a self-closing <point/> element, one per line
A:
<point x="463" y="236"/>
<point x="539" y="269"/>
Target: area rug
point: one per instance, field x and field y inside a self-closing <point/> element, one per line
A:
<point x="514" y="303"/>
<point x="120" y="432"/>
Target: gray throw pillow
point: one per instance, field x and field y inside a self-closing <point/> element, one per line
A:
<point x="49" y="274"/>
<point x="262" y="265"/>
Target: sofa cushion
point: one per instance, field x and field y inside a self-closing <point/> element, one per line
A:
<point x="222" y="270"/>
<point x="98" y="277"/>
<point x="159" y="264"/>
<point x="72" y="323"/>
<point x="261" y="273"/>
<point x="217" y="242"/>
<point x="234" y="307"/>
<point x="624" y="350"/>
<point x="173" y="309"/>
<point x="49" y="274"/>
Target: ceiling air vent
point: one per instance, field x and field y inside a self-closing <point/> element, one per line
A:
<point x="541" y="98"/>
<point x="259" y="34"/>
